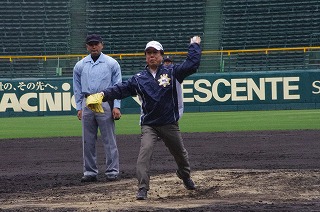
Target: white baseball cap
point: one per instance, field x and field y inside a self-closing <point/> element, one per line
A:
<point x="154" y="44"/>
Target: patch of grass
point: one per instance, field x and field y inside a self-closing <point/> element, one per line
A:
<point x="251" y="120"/>
<point x="62" y="126"/>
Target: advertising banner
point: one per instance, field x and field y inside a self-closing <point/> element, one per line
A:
<point x="201" y="92"/>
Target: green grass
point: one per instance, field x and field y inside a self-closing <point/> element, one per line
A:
<point x="61" y="126"/>
<point x="251" y="120"/>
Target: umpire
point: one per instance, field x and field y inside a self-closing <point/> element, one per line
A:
<point x="94" y="73"/>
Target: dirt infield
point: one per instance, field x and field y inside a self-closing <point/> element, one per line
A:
<point x="247" y="171"/>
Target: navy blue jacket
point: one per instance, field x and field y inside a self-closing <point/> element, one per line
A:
<point x="161" y="97"/>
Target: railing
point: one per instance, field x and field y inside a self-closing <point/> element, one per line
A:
<point x="212" y="61"/>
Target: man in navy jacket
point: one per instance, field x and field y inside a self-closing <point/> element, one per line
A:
<point x="159" y="90"/>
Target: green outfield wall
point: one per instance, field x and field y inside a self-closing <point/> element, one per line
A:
<point x="283" y="90"/>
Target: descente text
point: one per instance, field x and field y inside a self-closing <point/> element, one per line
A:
<point x="241" y="89"/>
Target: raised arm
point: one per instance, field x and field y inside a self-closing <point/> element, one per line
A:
<point x="192" y="62"/>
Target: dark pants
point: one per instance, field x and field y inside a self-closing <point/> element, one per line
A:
<point x="171" y="136"/>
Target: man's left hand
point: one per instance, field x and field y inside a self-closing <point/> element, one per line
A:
<point x="116" y="113"/>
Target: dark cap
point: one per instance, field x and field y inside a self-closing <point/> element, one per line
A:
<point x="93" y="38"/>
<point x="167" y="59"/>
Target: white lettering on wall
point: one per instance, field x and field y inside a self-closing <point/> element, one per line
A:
<point x="241" y="89"/>
<point x="316" y="84"/>
<point x="56" y="101"/>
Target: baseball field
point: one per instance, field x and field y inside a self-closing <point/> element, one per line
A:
<point x="241" y="161"/>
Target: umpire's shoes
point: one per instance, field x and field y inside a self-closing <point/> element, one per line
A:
<point x="187" y="181"/>
<point x="112" y="178"/>
<point x="88" y="178"/>
<point x="142" y="194"/>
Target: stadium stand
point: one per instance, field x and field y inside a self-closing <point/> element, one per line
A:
<point x="33" y="28"/>
<point x="129" y="25"/>
<point x="53" y="27"/>
<point x="268" y="24"/>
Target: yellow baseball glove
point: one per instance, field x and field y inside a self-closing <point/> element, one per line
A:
<point x="94" y="102"/>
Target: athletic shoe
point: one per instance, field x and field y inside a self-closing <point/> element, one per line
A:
<point x="142" y="194"/>
<point x="88" y="178"/>
<point x="187" y="182"/>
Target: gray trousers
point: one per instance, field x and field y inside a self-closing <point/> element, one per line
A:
<point x="171" y="136"/>
<point x="91" y="122"/>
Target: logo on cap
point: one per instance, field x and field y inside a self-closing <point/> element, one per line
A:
<point x="168" y="59"/>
